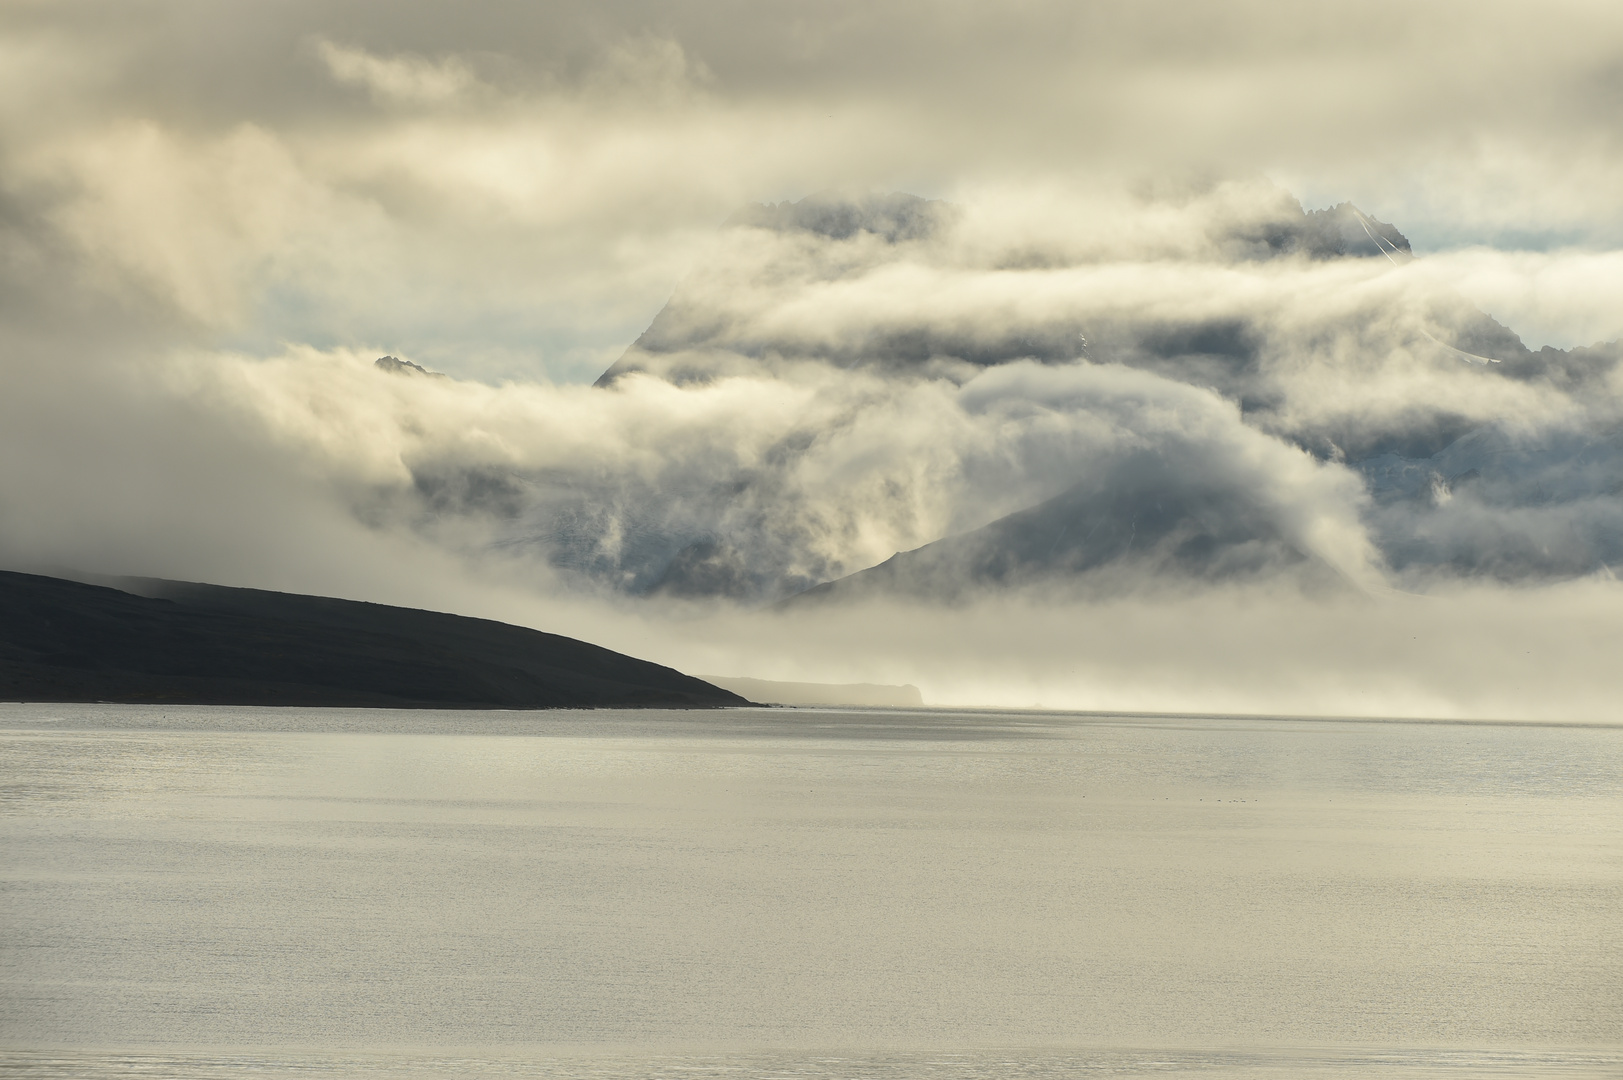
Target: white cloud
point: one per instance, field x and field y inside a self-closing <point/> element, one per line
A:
<point x="1561" y="298"/>
<point x="405" y="78"/>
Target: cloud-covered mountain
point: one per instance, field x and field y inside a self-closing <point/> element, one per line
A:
<point x="1228" y="388"/>
<point x="744" y="302"/>
<point x="1150" y="516"/>
<point x="1183" y="390"/>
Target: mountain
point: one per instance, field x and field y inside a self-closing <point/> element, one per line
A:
<point x="1144" y="516"/>
<point x="396" y="366"/>
<point x="176" y="642"/>
<point x="1159" y="526"/>
<point x="704" y="328"/>
<point x="1215" y="387"/>
<point x="869" y="227"/>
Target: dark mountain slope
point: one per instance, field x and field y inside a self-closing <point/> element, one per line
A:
<point x="184" y="643"/>
<point x="1146" y="515"/>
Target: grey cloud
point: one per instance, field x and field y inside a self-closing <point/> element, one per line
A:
<point x="532" y="215"/>
<point x="1410" y="101"/>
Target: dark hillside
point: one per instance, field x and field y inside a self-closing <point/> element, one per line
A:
<point x="183" y="643"/>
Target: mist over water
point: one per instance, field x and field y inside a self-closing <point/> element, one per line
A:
<point x="618" y="894"/>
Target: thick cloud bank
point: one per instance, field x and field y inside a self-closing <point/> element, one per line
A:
<point x="1236" y="391"/>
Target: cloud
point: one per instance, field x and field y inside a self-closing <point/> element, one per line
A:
<point x="540" y="178"/>
<point x="820" y="402"/>
<point x="822" y="395"/>
<point x="215" y="216"/>
<point x="1563" y="298"/>
<point x="1474" y="651"/>
<point x="404" y="79"/>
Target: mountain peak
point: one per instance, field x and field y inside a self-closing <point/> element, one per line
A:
<point x="1345" y="230"/>
<point x="396" y="366"/>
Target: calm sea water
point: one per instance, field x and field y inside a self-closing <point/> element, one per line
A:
<point x="212" y="892"/>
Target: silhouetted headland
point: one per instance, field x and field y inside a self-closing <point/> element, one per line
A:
<point x="171" y="642"/>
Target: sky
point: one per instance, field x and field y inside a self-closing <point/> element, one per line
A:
<point x="215" y="216"/>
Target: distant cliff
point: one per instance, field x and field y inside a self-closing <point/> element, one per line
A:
<point x="172" y="642"/>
